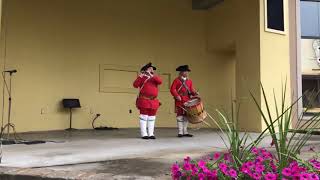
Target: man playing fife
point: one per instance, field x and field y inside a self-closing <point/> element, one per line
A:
<point x="182" y="90"/>
<point x="147" y="101"/>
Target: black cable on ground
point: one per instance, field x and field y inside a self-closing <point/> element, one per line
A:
<point x="95" y="118"/>
<point x="101" y="128"/>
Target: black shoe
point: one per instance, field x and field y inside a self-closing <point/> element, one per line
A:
<point x="180" y="135"/>
<point x="188" y="135"/>
<point x="145" y="137"/>
<point x="152" y="137"/>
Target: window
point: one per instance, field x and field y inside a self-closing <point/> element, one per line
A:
<point x="274" y="16"/>
<point x="310" y="21"/>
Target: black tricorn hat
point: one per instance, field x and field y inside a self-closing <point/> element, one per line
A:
<point x="183" y="68"/>
<point x="145" y="67"/>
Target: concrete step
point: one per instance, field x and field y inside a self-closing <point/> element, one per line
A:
<point x="24" y="177"/>
<point x="7" y="173"/>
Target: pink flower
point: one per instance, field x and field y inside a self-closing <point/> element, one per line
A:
<point x="215" y="172"/>
<point x="259" y="160"/>
<point x="295" y="172"/>
<point x="287" y="172"/>
<point x="227" y="157"/>
<point x="250" y="174"/>
<point x="250" y="164"/>
<point x="187" y="159"/>
<point x="176" y="174"/>
<point x="216" y="156"/>
<point x="255" y="151"/>
<point x="302" y="169"/>
<point x="271" y="176"/>
<point x="295" y="169"/>
<point x="201" y="176"/>
<point x="202" y="164"/>
<point x="294" y="164"/>
<point x="262" y="166"/>
<point x="259" y="168"/>
<point x="175" y="167"/>
<point x="187" y="166"/>
<point x="314" y="161"/>
<point x="267" y="155"/>
<point x="223" y="167"/>
<point x="317" y="166"/>
<point x="256" y="176"/>
<point x="185" y="175"/>
<point x="304" y="176"/>
<point x="213" y="175"/>
<point x="314" y="177"/>
<point x="194" y="171"/>
<point x="273" y="166"/>
<point x="206" y="170"/>
<point x="245" y="168"/>
<point x="233" y="173"/>
<point x="263" y="150"/>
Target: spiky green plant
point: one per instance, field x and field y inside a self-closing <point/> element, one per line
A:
<point x="238" y="144"/>
<point x="288" y="145"/>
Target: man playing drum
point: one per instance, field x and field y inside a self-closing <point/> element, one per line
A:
<point x="147" y="101"/>
<point x="182" y="90"/>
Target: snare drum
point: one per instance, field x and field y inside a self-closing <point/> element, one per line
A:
<point x="195" y="111"/>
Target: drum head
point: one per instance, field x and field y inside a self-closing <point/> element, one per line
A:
<point x="192" y="102"/>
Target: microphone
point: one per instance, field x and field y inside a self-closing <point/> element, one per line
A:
<point x="11" y="71"/>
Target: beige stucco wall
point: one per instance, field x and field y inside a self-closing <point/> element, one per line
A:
<point x="233" y="28"/>
<point x="57" y="47"/>
<point x="259" y="56"/>
<point x="275" y="60"/>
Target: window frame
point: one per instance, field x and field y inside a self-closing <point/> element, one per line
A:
<point x="266" y="28"/>
<point x="311" y="37"/>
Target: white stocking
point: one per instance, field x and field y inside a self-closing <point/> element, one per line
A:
<point x="180" y="124"/>
<point x="151" y="122"/>
<point x="143" y="125"/>
<point x="185" y="125"/>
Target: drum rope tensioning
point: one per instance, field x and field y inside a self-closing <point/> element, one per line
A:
<point x="195" y="112"/>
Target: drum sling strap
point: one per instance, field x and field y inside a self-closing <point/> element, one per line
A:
<point x="142" y="87"/>
<point x="185" y="86"/>
<point x="144" y="82"/>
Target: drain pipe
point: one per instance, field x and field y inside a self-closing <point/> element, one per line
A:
<point x="1" y="151"/>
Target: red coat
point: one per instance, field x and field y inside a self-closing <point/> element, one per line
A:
<point x="148" y="92"/>
<point x="177" y="89"/>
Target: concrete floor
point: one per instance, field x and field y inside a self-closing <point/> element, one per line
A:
<point x="117" y="154"/>
<point x="92" y="146"/>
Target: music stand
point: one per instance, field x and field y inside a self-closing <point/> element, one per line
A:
<point x="9" y="125"/>
<point x="70" y="104"/>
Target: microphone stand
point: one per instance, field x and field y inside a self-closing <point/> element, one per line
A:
<point x="9" y="124"/>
